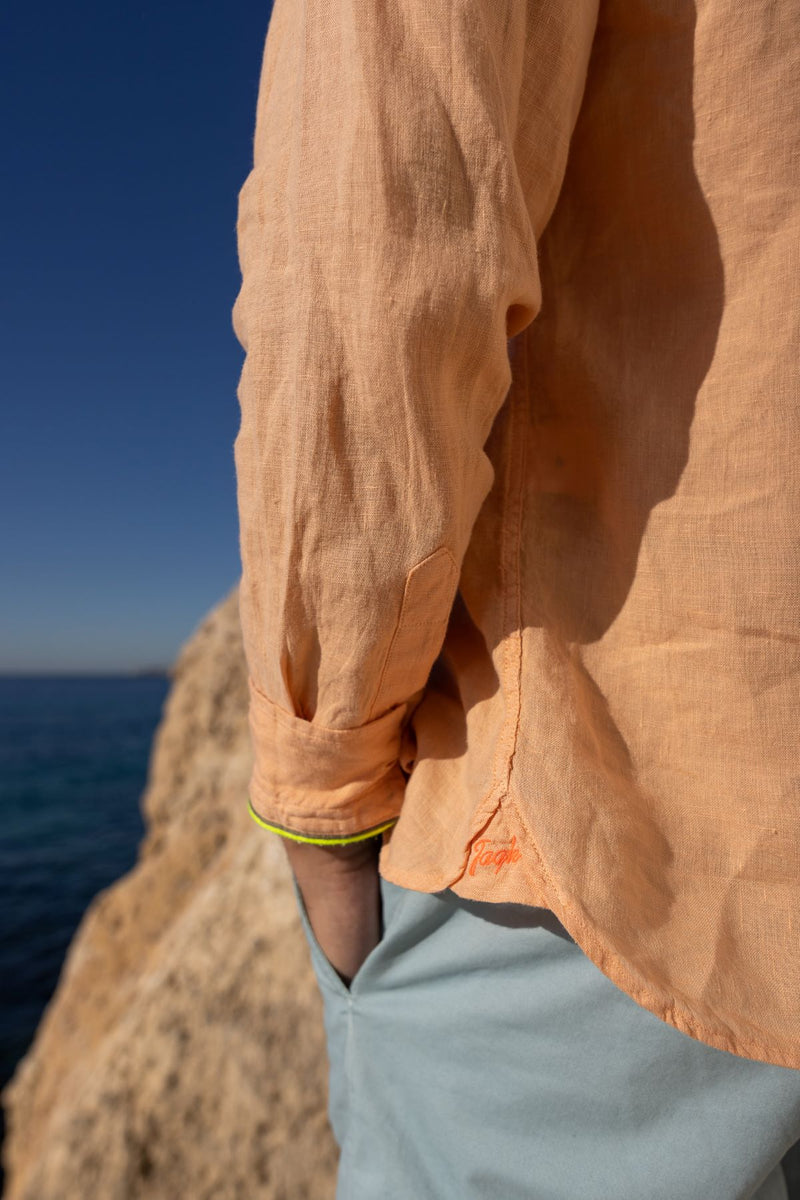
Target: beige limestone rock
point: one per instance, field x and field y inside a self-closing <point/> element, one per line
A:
<point x="182" y="1055"/>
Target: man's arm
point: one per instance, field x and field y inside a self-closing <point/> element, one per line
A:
<point x="387" y="241"/>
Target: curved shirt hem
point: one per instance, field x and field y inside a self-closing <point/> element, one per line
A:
<point x="616" y="968"/>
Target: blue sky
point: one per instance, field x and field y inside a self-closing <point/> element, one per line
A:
<point x="127" y="136"/>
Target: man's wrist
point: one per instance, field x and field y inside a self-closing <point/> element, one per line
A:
<point x="308" y="861"/>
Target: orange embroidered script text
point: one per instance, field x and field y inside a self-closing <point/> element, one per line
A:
<point x="485" y="856"/>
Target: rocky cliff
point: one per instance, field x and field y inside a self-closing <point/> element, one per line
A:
<point x="182" y="1055"/>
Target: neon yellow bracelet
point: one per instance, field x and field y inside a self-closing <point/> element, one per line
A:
<point x="318" y="841"/>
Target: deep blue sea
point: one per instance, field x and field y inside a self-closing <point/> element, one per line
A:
<point x="73" y="764"/>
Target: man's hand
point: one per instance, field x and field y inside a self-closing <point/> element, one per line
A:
<point x="340" y="886"/>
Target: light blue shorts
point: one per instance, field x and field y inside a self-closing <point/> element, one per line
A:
<point x="480" y="1055"/>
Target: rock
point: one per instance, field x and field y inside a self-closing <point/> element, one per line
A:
<point x="182" y="1054"/>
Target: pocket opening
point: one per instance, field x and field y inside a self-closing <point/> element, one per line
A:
<point x="326" y="973"/>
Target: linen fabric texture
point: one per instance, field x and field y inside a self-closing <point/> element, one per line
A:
<point x="518" y="475"/>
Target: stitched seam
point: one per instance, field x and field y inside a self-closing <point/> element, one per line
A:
<point x="512" y="534"/>
<point x="503" y="741"/>
<point x="397" y="627"/>
<point x="509" y="796"/>
<point x="404" y="606"/>
<point x="520" y="506"/>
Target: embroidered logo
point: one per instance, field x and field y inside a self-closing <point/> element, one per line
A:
<point x="483" y="854"/>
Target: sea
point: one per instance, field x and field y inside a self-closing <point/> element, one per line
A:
<point x="74" y="754"/>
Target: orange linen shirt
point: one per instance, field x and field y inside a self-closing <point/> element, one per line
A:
<point x="518" y="471"/>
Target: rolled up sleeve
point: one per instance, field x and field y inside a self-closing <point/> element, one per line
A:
<point x="387" y="253"/>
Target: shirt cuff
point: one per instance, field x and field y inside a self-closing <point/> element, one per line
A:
<point x="317" y="784"/>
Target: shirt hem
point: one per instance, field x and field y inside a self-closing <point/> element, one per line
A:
<point x="622" y="974"/>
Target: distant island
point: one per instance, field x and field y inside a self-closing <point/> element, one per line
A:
<point x="93" y="673"/>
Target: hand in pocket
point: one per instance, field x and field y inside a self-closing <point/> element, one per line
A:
<point x="340" y="886"/>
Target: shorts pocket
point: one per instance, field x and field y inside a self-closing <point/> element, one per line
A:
<point x="327" y="976"/>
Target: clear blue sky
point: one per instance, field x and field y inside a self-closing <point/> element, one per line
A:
<point x="127" y="133"/>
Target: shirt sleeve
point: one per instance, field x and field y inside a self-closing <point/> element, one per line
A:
<point x="387" y="238"/>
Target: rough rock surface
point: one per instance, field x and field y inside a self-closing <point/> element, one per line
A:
<point x="182" y="1054"/>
